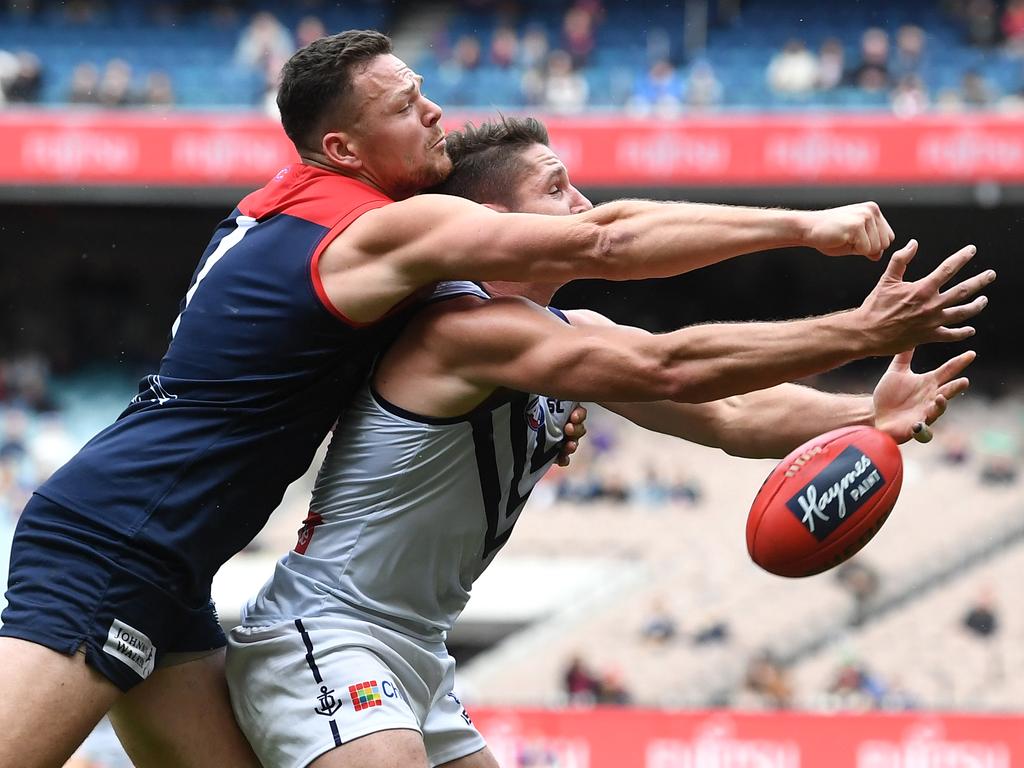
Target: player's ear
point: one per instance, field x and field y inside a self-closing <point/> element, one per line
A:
<point x="340" y="149"/>
<point x="497" y="207"/>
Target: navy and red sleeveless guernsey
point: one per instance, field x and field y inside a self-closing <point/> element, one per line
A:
<point x="258" y="369"/>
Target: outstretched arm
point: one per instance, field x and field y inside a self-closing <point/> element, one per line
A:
<point x="390" y="252"/>
<point x="772" y="422"/>
<point x="472" y="346"/>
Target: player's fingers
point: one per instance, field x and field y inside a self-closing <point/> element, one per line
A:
<point x="874" y="246"/>
<point x="936" y="409"/>
<point x="921" y="432"/>
<point x="902" y="361"/>
<point x="959" y="314"/>
<point x="578" y="415"/>
<point x="949" y="267"/>
<point x="898" y="261"/>
<point x="954" y="388"/>
<point x="887" y="235"/>
<point x="568" y="448"/>
<point x="953" y="334"/>
<point x="953" y="367"/>
<point x="960" y="292"/>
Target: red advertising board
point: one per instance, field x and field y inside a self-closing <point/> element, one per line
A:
<point x="630" y="738"/>
<point x="74" y="148"/>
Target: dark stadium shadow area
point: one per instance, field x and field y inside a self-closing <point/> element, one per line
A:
<point x="101" y="284"/>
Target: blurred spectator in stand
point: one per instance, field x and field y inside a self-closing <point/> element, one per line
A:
<point x="975" y="92"/>
<point x="1012" y="26"/>
<point x="856" y="688"/>
<point x="660" y="91"/>
<point x="271" y="84"/>
<point x="115" y="88"/>
<point x="85" y="84"/>
<point x="768" y="681"/>
<point x="702" y="87"/>
<point x="504" y="48"/>
<point x="581" y="685"/>
<point x="28" y="384"/>
<point x="565" y="90"/>
<point x="310" y="28"/>
<point x="52" y="446"/>
<point x="997" y="469"/>
<point x="660" y="624"/>
<point x="981" y="20"/>
<point x="860" y="581"/>
<point x="457" y="71"/>
<point x="955" y="448"/>
<point x="534" y="49"/>
<point x="685" y="489"/>
<point x="21" y="78"/>
<point x="909" y="98"/>
<point x="713" y="629"/>
<point x="578" y="35"/>
<point x="981" y="619"/>
<point x="793" y="71"/>
<point x="611" y="689"/>
<point x="831" y="64"/>
<point x="948" y="101"/>
<point x="613" y="487"/>
<point x="872" y="72"/>
<point x="910" y="56"/>
<point x="158" y="90"/>
<point x="651" y="492"/>
<point x="264" y="39"/>
<point x="14" y="442"/>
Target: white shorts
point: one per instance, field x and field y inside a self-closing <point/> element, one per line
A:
<point x="301" y="688"/>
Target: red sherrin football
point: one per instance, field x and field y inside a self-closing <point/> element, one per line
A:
<point x="824" y="501"/>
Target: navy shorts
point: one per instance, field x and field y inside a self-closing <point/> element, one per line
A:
<point x="72" y="586"/>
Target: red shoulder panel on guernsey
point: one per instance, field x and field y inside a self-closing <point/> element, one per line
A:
<point x="313" y="194"/>
<point x="329" y="199"/>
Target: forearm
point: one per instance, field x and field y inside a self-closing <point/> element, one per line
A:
<point x="710" y="362"/>
<point x="650" y="239"/>
<point x="765" y="424"/>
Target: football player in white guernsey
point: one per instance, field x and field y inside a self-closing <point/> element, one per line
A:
<point x="340" y="661"/>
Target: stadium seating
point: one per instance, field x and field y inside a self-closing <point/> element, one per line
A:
<point x="196" y="48"/>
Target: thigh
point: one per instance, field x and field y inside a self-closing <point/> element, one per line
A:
<point x="181" y="717"/>
<point x="43" y="686"/>
<point x="481" y="759"/>
<point x="383" y="749"/>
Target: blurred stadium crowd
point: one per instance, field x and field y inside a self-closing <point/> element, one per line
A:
<point x="565" y="57"/>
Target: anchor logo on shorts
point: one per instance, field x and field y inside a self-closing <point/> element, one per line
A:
<point x="328" y="704"/>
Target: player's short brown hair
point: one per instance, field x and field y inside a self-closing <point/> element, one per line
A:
<point x="316" y="83"/>
<point x="487" y="162"/>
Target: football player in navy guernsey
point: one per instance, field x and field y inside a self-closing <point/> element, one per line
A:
<point x="298" y="290"/>
<point x="340" y="660"/>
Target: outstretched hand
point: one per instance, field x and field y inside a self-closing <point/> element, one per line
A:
<point x="899" y="315"/>
<point x="903" y="398"/>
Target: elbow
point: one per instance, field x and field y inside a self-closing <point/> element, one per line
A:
<point x="605" y="251"/>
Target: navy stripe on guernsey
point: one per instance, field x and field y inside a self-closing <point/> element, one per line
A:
<point x="306" y="641"/>
<point x="481" y="423"/>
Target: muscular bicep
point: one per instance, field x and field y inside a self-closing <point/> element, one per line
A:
<point x="516" y="344"/>
<point x="390" y="252"/>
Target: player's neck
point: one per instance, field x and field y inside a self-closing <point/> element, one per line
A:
<point x="539" y="293"/>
